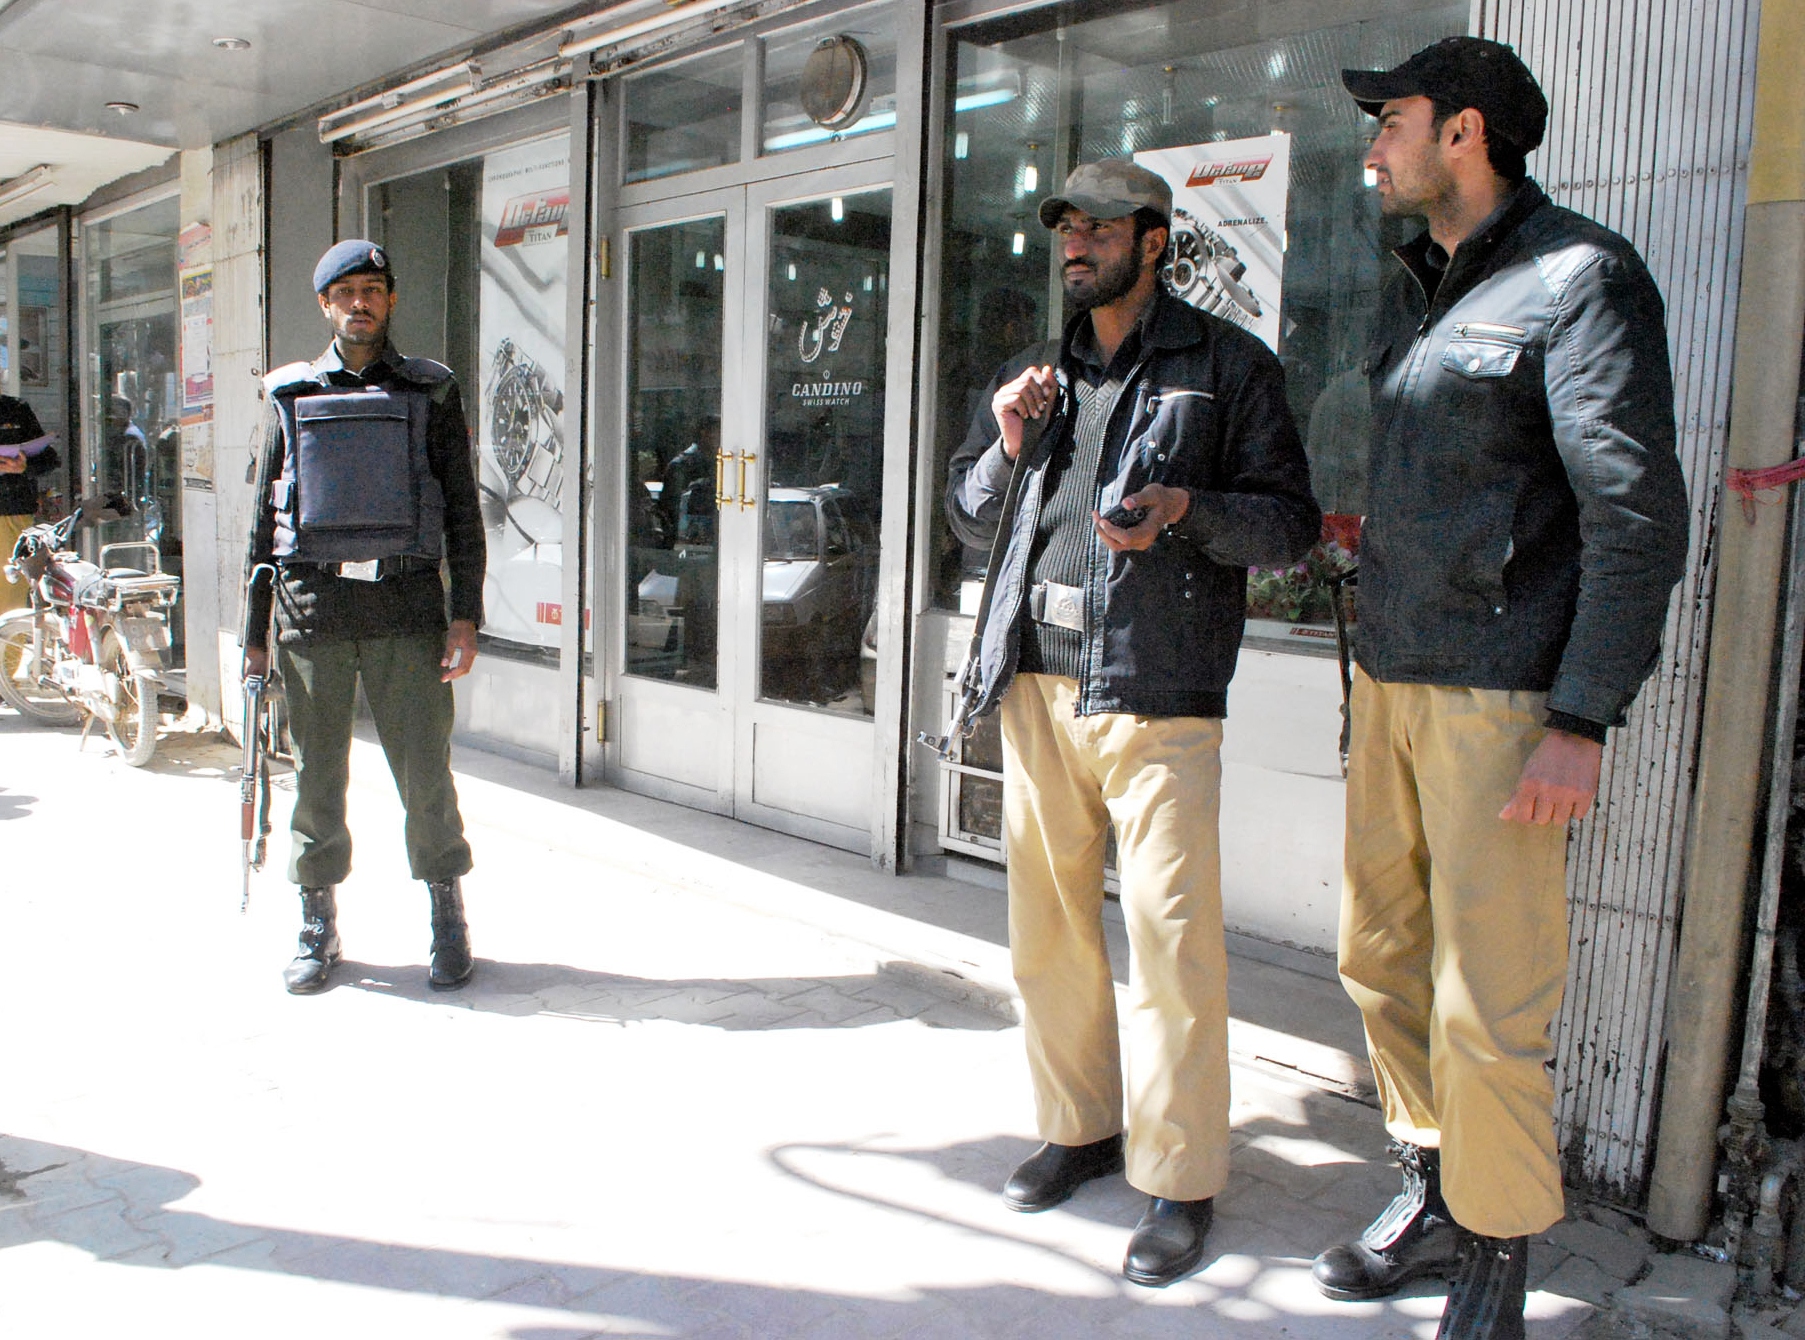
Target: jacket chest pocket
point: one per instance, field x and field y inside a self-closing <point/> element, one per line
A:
<point x="1174" y="424"/>
<point x="1482" y="351"/>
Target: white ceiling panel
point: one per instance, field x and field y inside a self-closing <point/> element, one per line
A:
<point x="78" y="165"/>
<point x="62" y="61"/>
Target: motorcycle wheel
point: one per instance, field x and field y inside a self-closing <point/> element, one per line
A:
<point x="44" y="705"/>
<point x="134" y="724"/>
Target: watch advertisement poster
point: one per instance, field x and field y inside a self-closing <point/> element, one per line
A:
<point x="1228" y="227"/>
<point x="519" y="419"/>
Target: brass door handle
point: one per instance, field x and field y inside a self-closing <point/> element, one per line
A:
<point x="721" y="496"/>
<point x="746" y="458"/>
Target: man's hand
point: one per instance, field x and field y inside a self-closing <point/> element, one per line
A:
<point x="1558" y="782"/>
<point x="460" y="650"/>
<point x="256" y="663"/>
<point x="12" y="465"/>
<point x="1029" y="396"/>
<point x="1164" y="505"/>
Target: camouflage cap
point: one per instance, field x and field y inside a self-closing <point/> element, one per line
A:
<point x="1109" y="189"/>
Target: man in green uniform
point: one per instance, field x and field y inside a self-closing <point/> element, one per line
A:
<point x="365" y="484"/>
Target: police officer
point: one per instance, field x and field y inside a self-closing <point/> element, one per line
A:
<point x="365" y="484"/>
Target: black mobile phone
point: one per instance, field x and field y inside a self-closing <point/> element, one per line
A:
<point x="1109" y="504"/>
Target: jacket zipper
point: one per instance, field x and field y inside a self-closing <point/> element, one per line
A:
<point x="1418" y="344"/>
<point x="1087" y="679"/>
<point x="1483" y="329"/>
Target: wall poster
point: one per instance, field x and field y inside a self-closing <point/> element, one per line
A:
<point x="194" y="247"/>
<point x="519" y="417"/>
<point x="1228" y="226"/>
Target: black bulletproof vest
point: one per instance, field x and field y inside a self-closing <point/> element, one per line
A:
<point x="355" y="482"/>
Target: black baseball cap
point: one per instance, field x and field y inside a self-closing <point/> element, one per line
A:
<point x="1468" y="72"/>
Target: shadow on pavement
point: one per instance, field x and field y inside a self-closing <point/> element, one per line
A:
<point x="732" y="1004"/>
<point x="127" y="1213"/>
<point x="205" y="755"/>
<point x="15" y="804"/>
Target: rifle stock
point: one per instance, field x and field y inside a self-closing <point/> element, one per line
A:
<point x="970" y="678"/>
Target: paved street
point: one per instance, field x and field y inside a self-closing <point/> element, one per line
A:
<point x="707" y="1082"/>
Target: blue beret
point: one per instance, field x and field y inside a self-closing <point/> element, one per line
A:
<point x="354" y="256"/>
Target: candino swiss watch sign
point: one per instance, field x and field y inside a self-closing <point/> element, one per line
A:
<point x="821" y="334"/>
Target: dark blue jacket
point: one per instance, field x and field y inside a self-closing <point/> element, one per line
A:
<point x="1203" y="409"/>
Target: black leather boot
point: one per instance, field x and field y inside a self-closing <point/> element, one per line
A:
<point x="451" y="963"/>
<point x="1168" y="1242"/>
<point x="1486" y="1302"/>
<point x="1414" y="1236"/>
<point x="1053" y="1172"/>
<point x="319" y="947"/>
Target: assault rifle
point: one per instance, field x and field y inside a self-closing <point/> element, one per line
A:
<point x="971" y="675"/>
<point x="253" y="775"/>
<point x="1340" y="587"/>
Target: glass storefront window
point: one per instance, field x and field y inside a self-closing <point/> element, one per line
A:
<point x="828" y="302"/>
<point x="480" y="255"/>
<point x="34" y="346"/>
<point x="794" y="89"/>
<point x="131" y="428"/>
<point x="686" y="116"/>
<point x="1031" y="95"/>
<point x="676" y="276"/>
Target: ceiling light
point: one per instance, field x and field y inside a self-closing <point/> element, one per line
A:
<point x="26" y="183"/>
<point x="123" y="108"/>
<point x="232" y="43"/>
<point x="693" y="9"/>
<point x="389" y="99"/>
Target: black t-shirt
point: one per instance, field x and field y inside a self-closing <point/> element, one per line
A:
<point x="19" y="427"/>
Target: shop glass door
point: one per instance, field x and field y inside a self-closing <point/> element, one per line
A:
<point x="754" y="425"/>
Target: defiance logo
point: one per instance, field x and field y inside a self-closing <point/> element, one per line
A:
<point x="541" y="216"/>
<point x="1233" y="169"/>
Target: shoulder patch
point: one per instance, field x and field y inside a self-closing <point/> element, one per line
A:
<point x="289" y="374"/>
<point x="424" y="371"/>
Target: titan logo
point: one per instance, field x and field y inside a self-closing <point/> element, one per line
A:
<point x="538" y="217"/>
<point x="1234" y="169"/>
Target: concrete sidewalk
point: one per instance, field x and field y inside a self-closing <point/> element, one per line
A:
<point x="708" y="1081"/>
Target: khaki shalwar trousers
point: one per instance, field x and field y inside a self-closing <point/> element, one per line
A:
<point x="13" y="595"/>
<point x="1066" y="778"/>
<point x="1454" y="941"/>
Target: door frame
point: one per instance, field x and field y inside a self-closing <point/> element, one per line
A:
<point x="903" y="148"/>
<point x="742" y="713"/>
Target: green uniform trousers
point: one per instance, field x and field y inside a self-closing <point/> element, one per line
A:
<point x="414" y="714"/>
<point x="1066" y="779"/>
<point x="1454" y="941"/>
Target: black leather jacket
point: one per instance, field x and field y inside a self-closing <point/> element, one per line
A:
<point x="1527" y="515"/>
<point x="1204" y="409"/>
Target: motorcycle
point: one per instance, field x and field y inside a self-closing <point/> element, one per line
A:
<point x="93" y="644"/>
